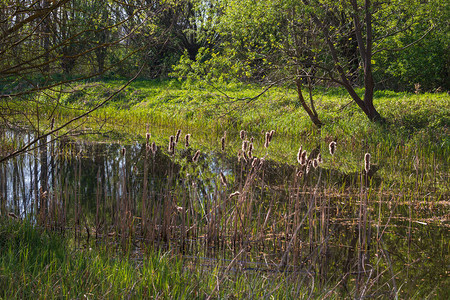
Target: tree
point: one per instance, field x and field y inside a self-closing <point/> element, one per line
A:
<point x="311" y="41"/>
<point x="42" y="40"/>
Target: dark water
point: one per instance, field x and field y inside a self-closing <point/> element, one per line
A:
<point x="362" y="239"/>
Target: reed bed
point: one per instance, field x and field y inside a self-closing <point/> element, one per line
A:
<point x="228" y="217"/>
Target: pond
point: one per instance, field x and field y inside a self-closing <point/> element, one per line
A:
<point x="348" y="231"/>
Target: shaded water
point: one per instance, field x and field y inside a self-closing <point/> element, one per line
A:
<point x="334" y="229"/>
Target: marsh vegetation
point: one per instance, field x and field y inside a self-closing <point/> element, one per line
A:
<point x="240" y="213"/>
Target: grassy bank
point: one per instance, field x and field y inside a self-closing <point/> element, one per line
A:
<point x="38" y="264"/>
<point x="416" y="136"/>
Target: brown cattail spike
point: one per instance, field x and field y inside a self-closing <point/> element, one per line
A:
<point x="319" y="158"/>
<point x="154" y="148"/>
<point x="332" y="147"/>
<point x="177" y="136"/>
<point x="242" y="134"/>
<point x="244" y="145"/>
<point x="299" y="155"/>
<point x="367" y="162"/>
<point x="308" y="166"/>
<point x="315" y="163"/>
<point x="222" y="143"/>
<point x="303" y="158"/>
<point x="196" y="156"/>
<point x="255" y="162"/>
<point x="271" y="133"/>
<point x="267" y="141"/>
<point x="186" y="140"/>
<point x="147" y="137"/>
<point x="124" y="151"/>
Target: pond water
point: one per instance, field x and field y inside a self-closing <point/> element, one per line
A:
<point x="360" y="237"/>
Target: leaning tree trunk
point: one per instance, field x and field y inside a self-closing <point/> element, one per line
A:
<point x="310" y="111"/>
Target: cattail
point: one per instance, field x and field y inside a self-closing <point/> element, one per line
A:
<point x="186" y="140"/>
<point x="255" y="162"/>
<point x="244" y="145"/>
<point x="196" y="156"/>
<point x="239" y="155"/>
<point x="300" y="173"/>
<point x="124" y="151"/>
<point x="261" y="162"/>
<point x="222" y="143"/>
<point x="367" y="162"/>
<point x="332" y="147"/>
<point x="242" y="134"/>
<point x="147" y="137"/>
<point x="319" y="158"/>
<point x="267" y="141"/>
<point x="299" y="155"/>
<point x="171" y="144"/>
<point x="154" y="148"/>
<point x="271" y="135"/>
<point x="223" y="179"/>
<point x="308" y="166"/>
<point x="303" y="158"/>
<point x="250" y="153"/>
<point x="315" y="163"/>
<point x="244" y="156"/>
<point x="251" y="140"/>
<point x="177" y="136"/>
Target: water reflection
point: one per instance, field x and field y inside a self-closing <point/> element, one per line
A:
<point x="362" y="241"/>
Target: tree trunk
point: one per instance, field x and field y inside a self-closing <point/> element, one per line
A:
<point x="312" y="114"/>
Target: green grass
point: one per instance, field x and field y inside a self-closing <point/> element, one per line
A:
<point x="35" y="263"/>
<point x="417" y="125"/>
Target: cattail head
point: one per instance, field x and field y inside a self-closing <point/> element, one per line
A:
<point x="223" y="179"/>
<point x="261" y="162"/>
<point x="250" y="153"/>
<point x="251" y="140"/>
<point x="171" y="144"/>
<point x="242" y="134"/>
<point x="244" y="145"/>
<point x="222" y="143"/>
<point x="147" y="137"/>
<point x="186" y="140"/>
<point x="319" y="158"/>
<point x="196" y="156"/>
<point x="255" y="162"/>
<point x="177" y="136"/>
<point x="315" y="163"/>
<point x="239" y="155"/>
<point x="308" y="166"/>
<point x="299" y="155"/>
<point x="303" y="158"/>
<point x="124" y="151"/>
<point x="267" y="140"/>
<point x="271" y="133"/>
<point x="332" y="147"/>
<point x="154" y="148"/>
<point x="367" y="162"/>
